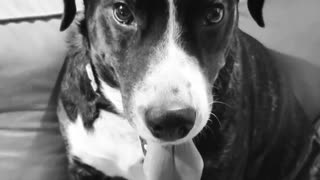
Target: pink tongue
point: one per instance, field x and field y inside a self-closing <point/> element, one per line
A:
<point x="178" y="162"/>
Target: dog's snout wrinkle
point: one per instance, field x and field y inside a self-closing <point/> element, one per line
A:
<point x="170" y="124"/>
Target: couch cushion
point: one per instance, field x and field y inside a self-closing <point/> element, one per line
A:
<point x="15" y="9"/>
<point x="31" y="54"/>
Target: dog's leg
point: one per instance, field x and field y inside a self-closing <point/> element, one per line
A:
<point x="80" y="171"/>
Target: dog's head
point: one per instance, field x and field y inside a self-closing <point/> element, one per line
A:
<point x="164" y="56"/>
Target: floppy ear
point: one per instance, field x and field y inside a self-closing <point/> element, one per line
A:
<point x="69" y="13"/>
<point x="255" y="8"/>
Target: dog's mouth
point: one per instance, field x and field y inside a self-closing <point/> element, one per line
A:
<point x="171" y="162"/>
<point x="144" y="145"/>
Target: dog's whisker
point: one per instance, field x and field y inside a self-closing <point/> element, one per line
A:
<point x="213" y="86"/>
<point x="220" y="102"/>
<point x="209" y="128"/>
<point x="197" y="138"/>
<point x="207" y="132"/>
<point x="204" y="132"/>
<point x="217" y="119"/>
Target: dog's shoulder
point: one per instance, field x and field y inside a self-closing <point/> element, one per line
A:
<point x="302" y="78"/>
<point x="277" y="113"/>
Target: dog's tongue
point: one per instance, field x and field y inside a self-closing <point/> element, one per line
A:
<point x="178" y="162"/>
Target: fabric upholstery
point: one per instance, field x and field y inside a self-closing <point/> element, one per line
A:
<point x="30" y="58"/>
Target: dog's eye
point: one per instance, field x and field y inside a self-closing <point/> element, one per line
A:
<point x="122" y="13"/>
<point x="214" y="14"/>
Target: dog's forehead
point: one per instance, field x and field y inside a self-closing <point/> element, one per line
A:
<point x="150" y="3"/>
<point x="160" y="7"/>
<point x="176" y="2"/>
<point x="181" y="1"/>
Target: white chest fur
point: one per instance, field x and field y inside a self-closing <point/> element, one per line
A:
<point x="113" y="147"/>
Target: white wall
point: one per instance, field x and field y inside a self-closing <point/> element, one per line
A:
<point x="292" y="26"/>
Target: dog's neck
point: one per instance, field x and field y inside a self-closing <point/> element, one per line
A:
<point x="253" y="129"/>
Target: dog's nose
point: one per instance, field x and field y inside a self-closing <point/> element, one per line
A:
<point x="170" y="124"/>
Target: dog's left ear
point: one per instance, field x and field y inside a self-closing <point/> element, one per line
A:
<point x="255" y="8"/>
<point x="69" y="13"/>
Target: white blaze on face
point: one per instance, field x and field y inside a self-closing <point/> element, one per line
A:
<point x="175" y="78"/>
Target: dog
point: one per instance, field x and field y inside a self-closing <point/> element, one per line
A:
<point x="171" y="71"/>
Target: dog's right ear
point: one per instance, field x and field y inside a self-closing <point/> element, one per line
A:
<point x="69" y="13"/>
<point x="255" y="8"/>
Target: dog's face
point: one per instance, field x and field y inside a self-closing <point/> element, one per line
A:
<point x="165" y="56"/>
